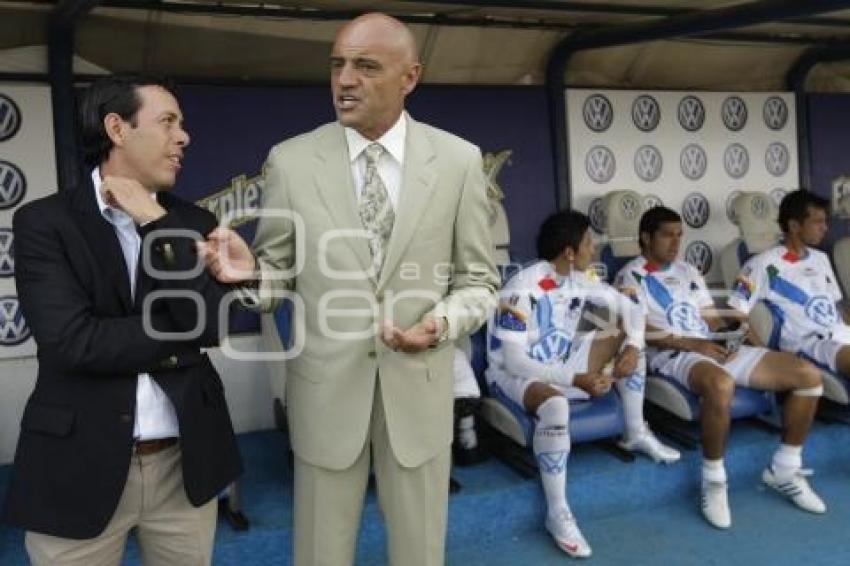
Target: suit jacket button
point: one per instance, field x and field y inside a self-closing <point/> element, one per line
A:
<point x="372" y="354"/>
<point x="126" y="418"/>
<point x="172" y="361"/>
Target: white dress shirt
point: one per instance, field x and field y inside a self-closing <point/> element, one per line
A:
<point x="155" y="414"/>
<point x="390" y="162"/>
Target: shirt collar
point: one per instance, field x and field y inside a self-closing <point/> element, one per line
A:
<point x="111" y="214"/>
<point x="392" y="140"/>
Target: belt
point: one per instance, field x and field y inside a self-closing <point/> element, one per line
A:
<point x="147" y="447"/>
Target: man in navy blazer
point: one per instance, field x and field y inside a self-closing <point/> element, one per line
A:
<point x="127" y="426"/>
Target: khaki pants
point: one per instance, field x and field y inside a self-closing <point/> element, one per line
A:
<point x="413" y="501"/>
<point x="170" y="530"/>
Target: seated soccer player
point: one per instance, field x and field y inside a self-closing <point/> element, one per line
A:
<point x="799" y="280"/>
<point x="680" y="316"/>
<point x="537" y="356"/>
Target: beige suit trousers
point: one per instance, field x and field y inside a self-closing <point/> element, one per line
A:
<point x="170" y="530"/>
<point x="413" y="502"/>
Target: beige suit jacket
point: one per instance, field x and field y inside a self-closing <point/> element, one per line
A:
<point x="439" y="261"/>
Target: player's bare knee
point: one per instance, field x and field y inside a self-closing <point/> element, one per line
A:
<point x="809" y="381"/>
<point x="721" y="388"/>
<point x="809" y="375"/>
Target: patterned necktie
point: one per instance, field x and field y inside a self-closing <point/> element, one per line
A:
<point x="376" y="209"/>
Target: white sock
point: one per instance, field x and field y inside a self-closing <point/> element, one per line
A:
<point x="466" y="433"/>
<point x="552" y="448"/>
<point x="787" y="460"/>
<point x="713" y="471"/>
<point x="631" y="390"/>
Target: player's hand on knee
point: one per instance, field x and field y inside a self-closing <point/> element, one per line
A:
<point x="595" y="384"/>
<point x="626" y="362"/>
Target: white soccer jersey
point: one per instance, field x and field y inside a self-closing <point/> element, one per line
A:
<point x="671" y="296"/>
<point x="540" y="310"/>
<point x="804" y="289"/>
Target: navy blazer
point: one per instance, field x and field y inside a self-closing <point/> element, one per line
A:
<point x="76" y="439"/>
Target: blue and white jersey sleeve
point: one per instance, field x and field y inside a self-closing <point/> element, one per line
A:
<point x="702" y="297"/>
<point x="513" y="314"/>
<point x="627" y="307"/>
<point x="750" y="286"/>
<point x="833" y="288"/>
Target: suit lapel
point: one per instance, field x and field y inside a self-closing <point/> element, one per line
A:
<point x="336" y="189"/>
<point x="102" y="240"/>
<point x="417" y="187"/>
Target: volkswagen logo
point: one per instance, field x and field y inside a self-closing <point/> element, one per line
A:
<point x="821" y="309"/>
<point x="651" y="201"/>
<point x="691" y="113"/>
<point x="13" y="327"/>
<point x="699" y="254"/>
<point x="646" y="113"/>
<point x="730" y="206"/>
<point x="693" y="161"/>
<point x="736" y="161"/>
<point x="13" y="185"/>
<point x="695" y="210"/>
<point x="596" y="214"/>
<point x="7" y="253"/>
<point x="629" y="207"/>
<point x="685" y="316"/>
<point x="777" y="159"/>
<point x="598" y="113"/>
<point x="734" y="112"/>
<point x="600" y="164"/>
<point x="10" y="118"/>
<point x="759" y="207"/>
<point x="775" y="113"/>
<point x="777" y="195"/>
<point x="648" y="163"/>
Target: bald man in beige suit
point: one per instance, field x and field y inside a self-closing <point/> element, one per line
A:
<point x="391" y="256"/>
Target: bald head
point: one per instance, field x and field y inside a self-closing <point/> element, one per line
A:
<point x="382" y="29"/>
<point x="374" y="66"/>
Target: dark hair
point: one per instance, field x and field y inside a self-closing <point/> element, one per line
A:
<point x="113" y="94"/>
<point x="564" y="229"/>
<point x="795" y="206"/>
<point x="653" y="218"/>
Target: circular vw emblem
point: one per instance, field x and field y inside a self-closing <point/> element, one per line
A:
<point x="822" y="310"/>
<point x="730" y="206"/>
<point x="648" y="163"/>
<point x="7" y="253"/>
<point x="693" y="161"/>
<point x="13" y="327"/>
<point x="646" y="113"/>
<point x="695" y="210"/>
<point x="698" y="254"/>
<point x="10" y="118"/>
<point x="600" y="164"/>
<point x="553" y="345"/>
<point x="651" y="201"/>
<point x="691" y="113"/>
<point x="736" y="161"/>
<point x="686" y="317"/>
<point x="598" y="113"/>
<point x="760" y="207"/>
<point x="13" y="185"/>
<point x="777" y="195"/>
<point x="775" y="113"/>
<point x="596" y="214"/>
<point x="777" y="158"/>
<point x="734" y="112"/>
<point x="629" y="207"/>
